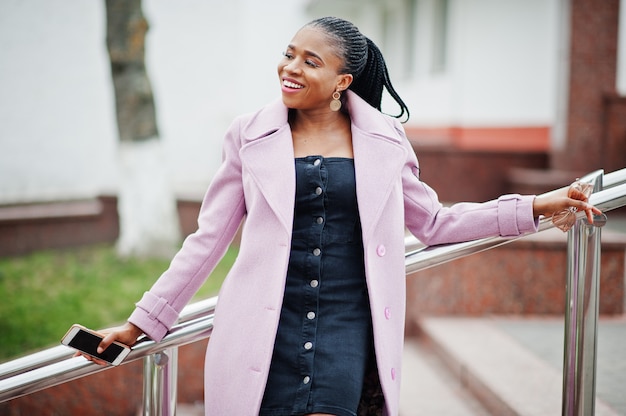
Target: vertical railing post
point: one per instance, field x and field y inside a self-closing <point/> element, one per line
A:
<point x="160" y="382"/>
<point x="581" y="315"/>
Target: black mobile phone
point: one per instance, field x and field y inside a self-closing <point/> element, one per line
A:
<point x="87" y="341"/>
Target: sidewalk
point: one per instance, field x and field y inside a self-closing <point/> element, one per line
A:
<point x="513" y="364"/>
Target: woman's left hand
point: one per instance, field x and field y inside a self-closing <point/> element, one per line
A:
<point x="564" y="198"/>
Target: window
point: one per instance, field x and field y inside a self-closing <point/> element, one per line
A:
<point x="440" y="36"/>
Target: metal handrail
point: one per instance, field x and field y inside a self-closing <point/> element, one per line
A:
<point x="581" y="315"/>
<point x="424" y="257"/>
<point x="614" y="178"/>
<point x="70" y="368"/>
<point x="193" y="311"/>
<point x="55" y="366"/>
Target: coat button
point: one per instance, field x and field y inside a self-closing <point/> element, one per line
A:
<point x="381" y="250"/>
<point x="308" y="345"/>
<point x="317" y="252"/>
<point x="387" y="313"/>
<point x="314" y="283"/>
<point x="318" y="191"/>
<point x="310" y="315"/>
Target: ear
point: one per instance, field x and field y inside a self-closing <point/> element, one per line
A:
<point x="343" y="82"/>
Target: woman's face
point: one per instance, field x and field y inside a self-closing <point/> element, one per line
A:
<point x="309" y="71"/>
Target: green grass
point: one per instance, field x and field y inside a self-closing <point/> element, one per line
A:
<point x="46" y="292"/>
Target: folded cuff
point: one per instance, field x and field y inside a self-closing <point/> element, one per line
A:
<point x="515" y="215"/>
<point x="154" y="316"/>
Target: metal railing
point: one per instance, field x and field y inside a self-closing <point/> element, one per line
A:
<point x="56" y="365"/>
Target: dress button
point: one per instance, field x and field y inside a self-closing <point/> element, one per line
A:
<point x="387" y="313"/>
<point x="317" y="162"/>
<point x="318" y="191"/>
<point x="306" y="379"/>
<point x="393" y="373"/>
<point x="319" y="220"/>
<point x="314" y="283"/>
<point x="310" y="315"/>
<point x="381" y="250"/>
<point x="308" y="345"/>
<point x="317" y="252"/>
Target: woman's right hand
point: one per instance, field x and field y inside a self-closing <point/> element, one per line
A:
<point x="126" y="334"/>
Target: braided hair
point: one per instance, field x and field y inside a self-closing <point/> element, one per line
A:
<point x="363" y="60"/>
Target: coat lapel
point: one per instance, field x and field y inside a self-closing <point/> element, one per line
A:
<point x="378" y="159"/>
<point x="377" y="164"/>
<point x="267" y="155"/>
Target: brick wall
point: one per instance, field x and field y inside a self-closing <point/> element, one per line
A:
<point x="31" y="227"/>
<point x="473" y="175"/>
<point x="592" y="77"/>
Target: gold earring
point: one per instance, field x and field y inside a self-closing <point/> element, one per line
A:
<point x="335" y="104"/>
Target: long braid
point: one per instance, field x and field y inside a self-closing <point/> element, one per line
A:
<point x="363" y="60"/>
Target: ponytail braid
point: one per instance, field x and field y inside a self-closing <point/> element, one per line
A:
<point x="363" y="60"/>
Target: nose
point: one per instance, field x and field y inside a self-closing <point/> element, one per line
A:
<point x="292" y="66"/>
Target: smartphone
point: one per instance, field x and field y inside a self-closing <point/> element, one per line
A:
<point x="87" y="341"/>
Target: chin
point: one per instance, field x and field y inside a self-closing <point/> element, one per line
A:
<point x="291" y="104"/>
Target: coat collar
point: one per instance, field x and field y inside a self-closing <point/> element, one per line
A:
<point x="267" y="154"/>
<point x="364" y="117"/>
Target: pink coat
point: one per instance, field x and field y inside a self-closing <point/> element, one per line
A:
<point x="257" y="181"/>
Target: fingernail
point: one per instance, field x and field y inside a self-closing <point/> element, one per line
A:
<point x="100" y="350"/>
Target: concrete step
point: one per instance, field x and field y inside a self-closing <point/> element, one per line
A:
<point x="428" y="388"/>
<point x="186" y="409"/>
<point x="506" y="376"/>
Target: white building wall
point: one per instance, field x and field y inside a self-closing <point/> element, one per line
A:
<point x="208" y="61"/>
<point x="501" y="64"/>
<point x="501" y="60"/>
<point x="57" y="132"/>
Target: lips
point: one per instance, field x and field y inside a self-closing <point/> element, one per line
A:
<point x="292" y="84"/>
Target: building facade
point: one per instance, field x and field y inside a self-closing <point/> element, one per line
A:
<point x="477" y="75"/>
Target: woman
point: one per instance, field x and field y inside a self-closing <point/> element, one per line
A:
<point x="312" y="312"/>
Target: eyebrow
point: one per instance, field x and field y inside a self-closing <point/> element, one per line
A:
<point x="306" y="52"/>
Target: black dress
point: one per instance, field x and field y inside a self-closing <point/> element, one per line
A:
<point x="323" y="346"/>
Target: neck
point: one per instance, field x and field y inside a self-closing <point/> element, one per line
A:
<point x="301" y="120"/>
<point x="325" y="134"/>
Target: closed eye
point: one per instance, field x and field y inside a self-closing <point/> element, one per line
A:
<point x="311" y="63"/>
<point x="311" y="58"/>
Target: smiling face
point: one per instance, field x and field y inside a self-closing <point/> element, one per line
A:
<point x="309" y="71"/>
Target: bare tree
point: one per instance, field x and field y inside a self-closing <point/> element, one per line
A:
<point x="147" y="207"/>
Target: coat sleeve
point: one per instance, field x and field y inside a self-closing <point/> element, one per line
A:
<point x="221" y="213"/>
<point x="432" y="223"/>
